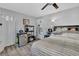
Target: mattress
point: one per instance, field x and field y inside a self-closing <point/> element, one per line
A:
<point x="56" y="46"/>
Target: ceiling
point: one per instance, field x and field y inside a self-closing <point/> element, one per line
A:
<point x="34" y="9"/>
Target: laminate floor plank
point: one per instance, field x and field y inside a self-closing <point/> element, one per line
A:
<point x="12" y="51"/>
<point x="17" y="51"/>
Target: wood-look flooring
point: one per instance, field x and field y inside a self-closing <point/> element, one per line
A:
<point x="17" y="51"/>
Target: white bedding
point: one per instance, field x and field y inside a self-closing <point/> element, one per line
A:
<point x="56" y="45"/>
<point x="71" y="35"/>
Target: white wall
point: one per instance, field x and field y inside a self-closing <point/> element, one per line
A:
<point x="66" y="17"/>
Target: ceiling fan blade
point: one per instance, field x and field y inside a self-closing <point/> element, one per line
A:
<point x="45" y="6"/>
<point x="55" y="5"/>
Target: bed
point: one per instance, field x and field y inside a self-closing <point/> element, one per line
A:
<point x="66" y="44"/>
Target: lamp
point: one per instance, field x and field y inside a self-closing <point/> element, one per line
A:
<point x="53" y="20"/>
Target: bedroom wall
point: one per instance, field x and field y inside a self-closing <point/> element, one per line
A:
<point x="16" y="24"/>
<point x="66" y="17"/>
<point x="18" y="17"/>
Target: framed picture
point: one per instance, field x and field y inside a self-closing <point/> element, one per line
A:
<point x="26" y="21"/>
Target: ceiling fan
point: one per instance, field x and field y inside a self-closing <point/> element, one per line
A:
<point x="53" y="4"/>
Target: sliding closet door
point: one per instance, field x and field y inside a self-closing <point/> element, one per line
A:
<point x="2" y="32"/>
<point x="7" y="30"/>
<point x="10" y="30"/>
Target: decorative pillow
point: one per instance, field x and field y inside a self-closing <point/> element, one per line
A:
<point x="58" y="30"/>
<point x="64" y="29"/>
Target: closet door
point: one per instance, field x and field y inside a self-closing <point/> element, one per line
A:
<point x="10" y="30"/>
<point x="7" y="31"/>
<point x="2" y="32"/>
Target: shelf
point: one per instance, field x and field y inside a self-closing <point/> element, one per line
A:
<point x="29" y="26"/>
<point x="30" y="31"/>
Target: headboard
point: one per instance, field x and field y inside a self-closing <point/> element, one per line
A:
<point x="68" y="27"/>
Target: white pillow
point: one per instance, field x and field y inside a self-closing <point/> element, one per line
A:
<point x="64" y="29"/>
<point x="58" y="30"/>
<point x="52" y="35"/>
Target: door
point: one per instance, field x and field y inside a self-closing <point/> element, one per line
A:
<point x="10" y="27"/>
<point x="11" y="30"/>
<point x="2" y="32"/>
<point x="7" y="31"/>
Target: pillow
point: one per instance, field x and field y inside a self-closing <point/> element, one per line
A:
<point x="51" y="35"/>
<point x="64" y="29"/>
<point x="58" y="30"/>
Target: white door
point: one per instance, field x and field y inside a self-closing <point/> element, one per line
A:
<point x="2" y="32"/>
<point x="10" y="30"/>
<point x="7" y="31"/>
